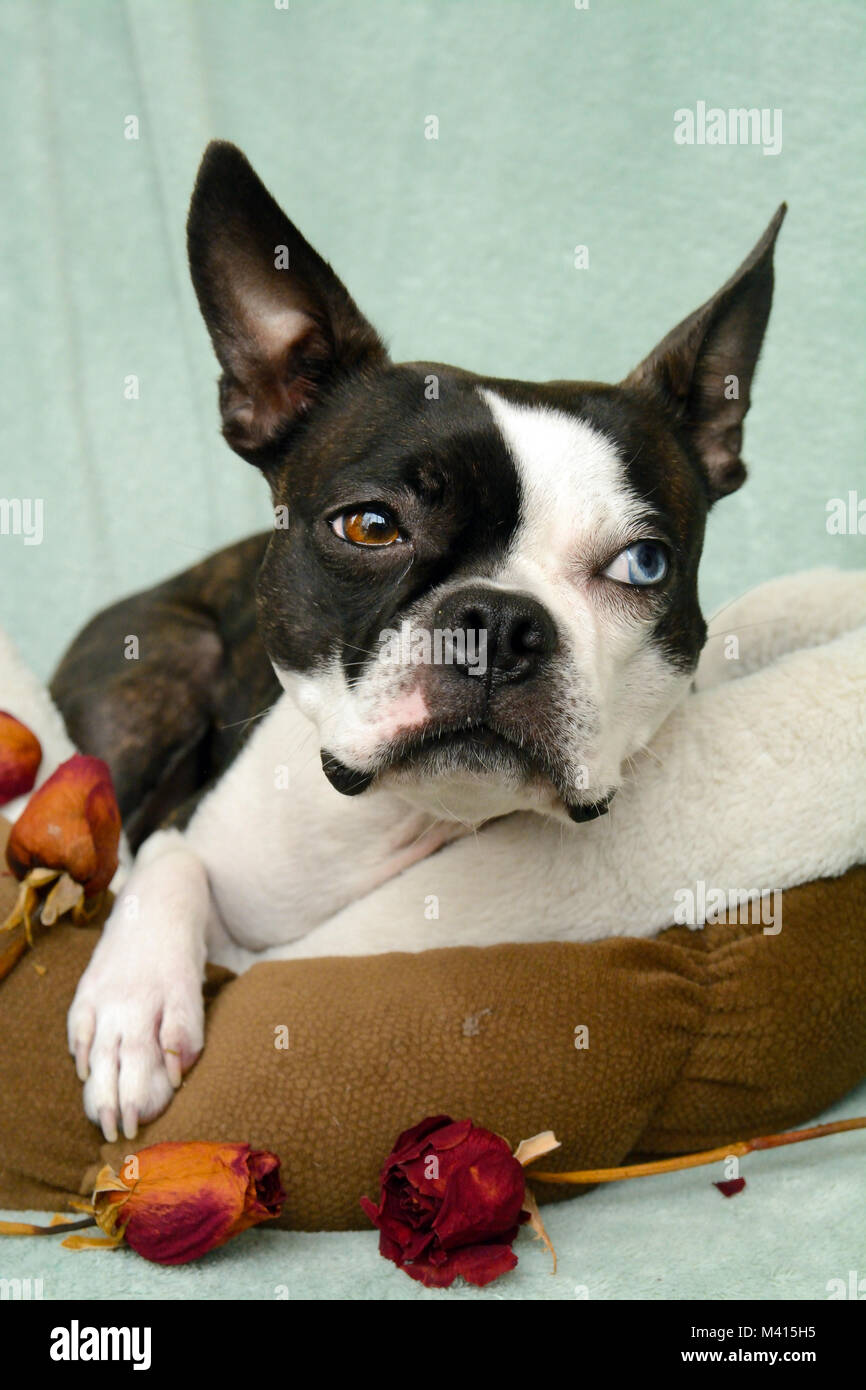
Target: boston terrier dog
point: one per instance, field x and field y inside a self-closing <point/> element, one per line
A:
<point x="479" y="599"/>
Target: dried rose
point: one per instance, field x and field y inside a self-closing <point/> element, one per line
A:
<point x="20" y="756"/>
<point x="63" y="848"/>
<point x="174" y="1202"/>
<point x="451" y="1202"/>
<point x="71" y="824"/>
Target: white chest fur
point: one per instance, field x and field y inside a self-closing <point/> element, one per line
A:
<point x="284" y="851"/>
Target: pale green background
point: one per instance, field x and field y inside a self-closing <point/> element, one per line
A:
<point x="556" y="128"/>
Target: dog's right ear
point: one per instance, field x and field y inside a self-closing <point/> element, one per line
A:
<point x="283" y="326"/>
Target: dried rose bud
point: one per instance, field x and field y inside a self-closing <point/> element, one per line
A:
<point x="174" y="1202"/>
<point x="20" y="756"/>
<point x="451" y="1202"/>
<point x="71" y="824"/>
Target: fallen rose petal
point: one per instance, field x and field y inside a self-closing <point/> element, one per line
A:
<point x="730" y="1186"/>
<point x="20" y="756"/>
<point x="71" y="823"/>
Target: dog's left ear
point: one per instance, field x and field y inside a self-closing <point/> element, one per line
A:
<point x="702" y="371"/>
<point x="284" y="327"/>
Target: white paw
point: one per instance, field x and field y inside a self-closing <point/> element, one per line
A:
<point x="135" y="1026"/>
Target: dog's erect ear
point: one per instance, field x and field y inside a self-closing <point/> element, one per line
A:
<point x="283" y="326"/>
<point x="702" y="371"/>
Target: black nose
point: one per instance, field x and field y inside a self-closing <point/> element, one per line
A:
<point x="515" y="631"/>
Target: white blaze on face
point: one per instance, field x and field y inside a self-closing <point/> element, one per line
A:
<point x="577" y="508"/>
<point x="572" y="480"/>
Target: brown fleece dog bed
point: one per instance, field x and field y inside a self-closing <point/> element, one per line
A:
<point x="695" y="1038"/>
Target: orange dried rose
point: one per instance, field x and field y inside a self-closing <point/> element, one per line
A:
<point x="174" y="1202"/>
<point x="20" y="756"/>
<point x="63" y="848"/>
<point x="71" y="824"/>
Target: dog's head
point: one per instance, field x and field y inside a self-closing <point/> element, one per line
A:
<point x="482" y="591"/>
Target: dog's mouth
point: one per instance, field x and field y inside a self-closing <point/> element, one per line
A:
<point x="441" y="750"/>
<point x="474" y="750"/>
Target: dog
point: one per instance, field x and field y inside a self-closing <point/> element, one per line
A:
<point x="477" y="604"/>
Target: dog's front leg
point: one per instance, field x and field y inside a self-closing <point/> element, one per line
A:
<point x="136" y="1022"/>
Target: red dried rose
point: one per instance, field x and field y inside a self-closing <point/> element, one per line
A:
<point x="71" y="824"/>
<point x="451" y="1203"/>
<point x="174" y="1202"/>
<point x="20" y="756"/>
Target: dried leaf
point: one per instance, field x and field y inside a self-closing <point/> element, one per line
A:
<point x="28" y="897"/>
<point x="528" y="1150"/>
<point x="108" y="1181"/>
<point x="40" y="876"/>
<point x="64" y="896"/>
<point x="16" y="914"/>
<point x="86" y="909"/>
<point x="92" y="1242"/>
<point x="536" y="1223"/>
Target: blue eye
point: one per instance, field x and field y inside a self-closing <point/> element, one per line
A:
<point x="642" y="564"/>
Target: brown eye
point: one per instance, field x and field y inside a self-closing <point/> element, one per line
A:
<point x="370" y="526"/>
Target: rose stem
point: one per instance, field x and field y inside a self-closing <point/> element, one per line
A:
<point x="672" y="1165"/>
<point x="62" y="1228"/>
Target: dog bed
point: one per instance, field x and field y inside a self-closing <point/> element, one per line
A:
<point x="690" y="1039"/>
